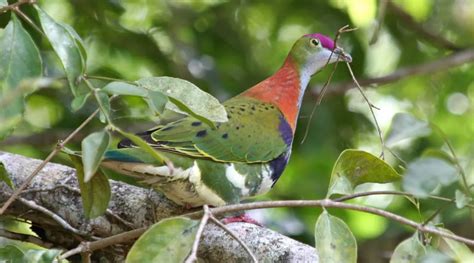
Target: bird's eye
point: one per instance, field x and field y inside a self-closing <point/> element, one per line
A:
<point x="315" y="42"/>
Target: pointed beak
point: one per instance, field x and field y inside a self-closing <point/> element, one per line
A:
<point x="341" y="55"/>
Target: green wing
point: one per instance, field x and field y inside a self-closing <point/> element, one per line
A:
<point x="251" y="135"/>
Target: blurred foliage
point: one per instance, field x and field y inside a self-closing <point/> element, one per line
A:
<point x="224" y="47"/>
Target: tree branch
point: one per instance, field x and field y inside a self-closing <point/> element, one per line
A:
<point x="453" y="60"/>
<point x="55" y="188"/>
<point x="420" y="30"/>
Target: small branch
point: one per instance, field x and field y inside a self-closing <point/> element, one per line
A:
<point x="105" y="242"/>
<point x="28" y="20"/>
<point x="193" y="255"/>
<point x="371" y="108"/>
<point x="16" y="5"/>
<point x="230" y="232"/>
<point x="24" y="238"/>
<point x="341" y="30"/>
<point x="421" y="31"/>
<point x="57" y="149"/>
<point x="328" y="203"/>
<point x="54" y="216"/>
<point x="380" y="18"/>
<point x="362" y="194"/>
<point x="448" y="62"/>
<point x="456" y="160"/>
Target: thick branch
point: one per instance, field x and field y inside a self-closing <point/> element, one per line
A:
<point x="137" y="208"/>
<point x="453" y="60"/>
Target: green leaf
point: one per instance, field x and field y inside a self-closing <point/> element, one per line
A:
<point x="95" y="194"/>
<point x="93" y="149"/>
<point x="354" y="167"/>
<point x="425" y="174"/>
<point x="79" y="101"/>
<point x="334" y="240"/>
<point x="79" y="43"/>
<point x="20" y="59"/>
<point x="122" y="88"/>
<point x="169" y="240"/>
<point x="41" y="255"/>
<point x="406" y="126"/>
<point x="104" y="102"/>
<point x="4" y="177"/>
<point x="408" y="251"/>
<point x="186" y="98"/>
<point x="457" y="250"/>
<point x="65" y="46"/>
<point x="157" y="101"/>
<point x="143" y="145"/>
<point x="461" y="199"/>
<point x="11" y="254"/>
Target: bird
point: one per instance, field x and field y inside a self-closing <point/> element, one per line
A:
<point x="237" y="159"/>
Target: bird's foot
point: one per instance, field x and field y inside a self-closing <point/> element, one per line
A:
<point x="240" y="218"/>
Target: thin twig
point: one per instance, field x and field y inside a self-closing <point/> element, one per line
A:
<point x="456" y="160"/>
<point x="380" y="18"/>
<point x="205" y="217"/>
<point x="362" y="194"/>
<point x="25" y="238"/>
<point x="109" y="79"/>
<point x="328" y="203"/>
<point x="421" y="31"/>
<point x="54" y="216"/>
<point x="341" y="30"/>
<point x="29" y="21"/>
<point x="325" y="203"/>
<point x="16" y="5"/>
<point x="371" y="108"/>
<point x="105" y="242"/>
<point x="57" y="149"/>
<point x="230" y="232"/>
<point x="445" y="63"/>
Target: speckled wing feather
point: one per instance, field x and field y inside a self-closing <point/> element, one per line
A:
<point x="256" y="132"/>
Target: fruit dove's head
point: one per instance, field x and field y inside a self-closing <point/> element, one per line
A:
<point x="313" y="51"/>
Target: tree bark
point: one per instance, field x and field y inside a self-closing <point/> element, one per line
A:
<point x="52" y="203"/>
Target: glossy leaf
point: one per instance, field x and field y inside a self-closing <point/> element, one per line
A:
<point x="103" y="100"/>
<point x="20" y="59"/>
<point x="169" y="240"/>
<point x="408" y="251"/>
<point x="79" y="101"/>
<point x="334" y="240"/>
<point x="11" y="254"/>
<point x="425" y="174"/>
<point x="144" y="145"/>
<point x="41" y="255"/>
<point x="65" y="46"/>
<point x="96" y="193"/>
<point x="354" y="167"/>
<point x="79" y="43"/>
<point x="187" y="98"/>
<point x="93" y="149"/>
<point x="462" y="199"/>
<point x="123" y="88"/>
<point x="157" y="101"/>
<point x="406" y="126"/>
<point x="457" y="250"/>
<point x="4" y="177"/>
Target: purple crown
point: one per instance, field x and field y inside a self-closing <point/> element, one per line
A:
<point x="325" y="40"/>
